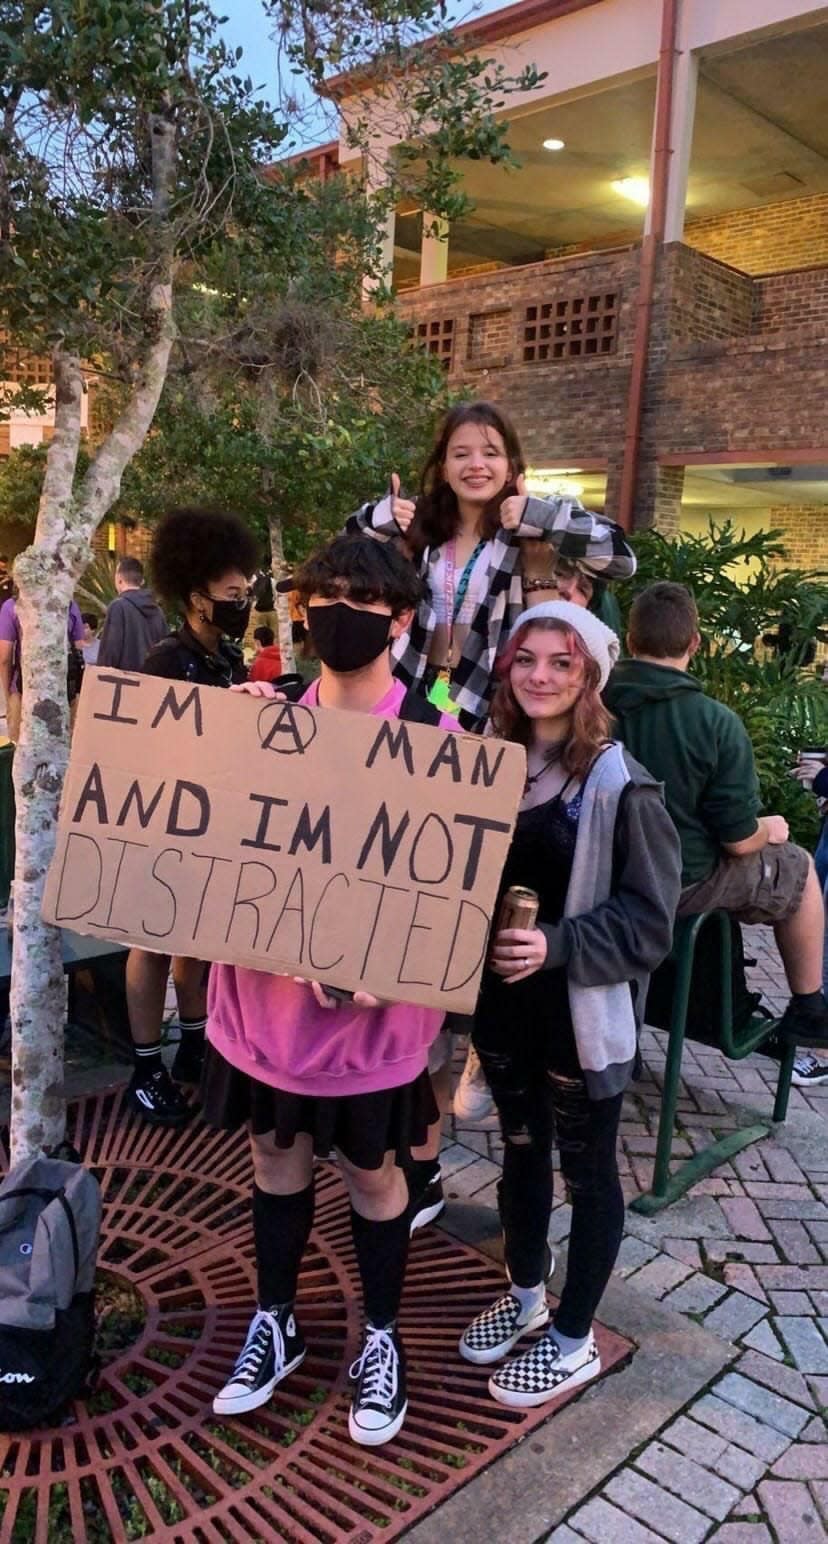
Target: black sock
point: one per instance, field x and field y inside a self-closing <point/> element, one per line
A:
<point x="419" y="1173"/>
<point x="192" y="1029"/>
<point x="812" y="1002"/>
<point x="382" y="1252"/>
<point x="281" y="1229"/>
<point x="147" y="1059"/>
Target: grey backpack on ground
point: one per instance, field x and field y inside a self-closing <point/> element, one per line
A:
<point x="50" y="1217"/>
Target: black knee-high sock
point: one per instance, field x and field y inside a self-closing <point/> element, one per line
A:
<point x="382" y="1252"/>
<point x="281" y="1229"/>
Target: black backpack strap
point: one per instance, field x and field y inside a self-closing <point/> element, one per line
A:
<point x="416" y="709"/>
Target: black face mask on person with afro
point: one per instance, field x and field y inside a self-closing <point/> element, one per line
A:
<point x="347" y="639"/>
<point x="231" y="616"/>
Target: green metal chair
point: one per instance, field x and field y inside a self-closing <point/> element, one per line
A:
<point x="667" y="1185"/>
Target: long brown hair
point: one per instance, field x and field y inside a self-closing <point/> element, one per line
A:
<point x="590" y="719"/>
<point x="438" y="517"/>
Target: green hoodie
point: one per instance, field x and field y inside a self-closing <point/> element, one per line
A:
<point x="697" y="748"/>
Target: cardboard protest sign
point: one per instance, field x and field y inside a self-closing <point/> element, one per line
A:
<point x="359" y="851"/>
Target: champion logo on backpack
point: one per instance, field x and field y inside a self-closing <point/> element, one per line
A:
<point x="16" y="1377"/>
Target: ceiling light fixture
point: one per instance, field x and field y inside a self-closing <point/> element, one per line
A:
<point x="635" y="188"/>
<point x="554" y="144"/>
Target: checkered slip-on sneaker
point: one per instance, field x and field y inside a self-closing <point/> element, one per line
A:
<point x="497" y="1329"/>
<point x="542" y="1372"/>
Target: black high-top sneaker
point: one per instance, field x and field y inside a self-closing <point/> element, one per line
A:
<point x="274" y="1346"/>
<point x="379" y="1405"/>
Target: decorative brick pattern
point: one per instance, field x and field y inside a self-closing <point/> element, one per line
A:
<point x="436" y="336"/>
<point x="582" y="327"/>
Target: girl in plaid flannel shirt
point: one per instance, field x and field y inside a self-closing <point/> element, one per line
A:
<point x="464" y="533"/>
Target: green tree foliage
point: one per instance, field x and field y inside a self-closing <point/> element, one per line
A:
<point x="744" y="591"/>
<point x="303" y="442"/>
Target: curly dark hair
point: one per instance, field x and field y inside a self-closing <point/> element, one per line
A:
<point x="193" y="547"/>
<point x="362" y="569"/>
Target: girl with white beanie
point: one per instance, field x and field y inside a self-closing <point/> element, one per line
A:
<point x="561" y="1003"/>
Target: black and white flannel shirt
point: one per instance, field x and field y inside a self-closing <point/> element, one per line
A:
<point x="597" y="544"/>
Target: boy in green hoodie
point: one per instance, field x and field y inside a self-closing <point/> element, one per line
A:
<point x="733" y="858"/>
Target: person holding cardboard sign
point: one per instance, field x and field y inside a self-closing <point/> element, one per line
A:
<point x="560" y="1003"/>
<point x="201" y="561"/>
<point x="308" y="1070"/>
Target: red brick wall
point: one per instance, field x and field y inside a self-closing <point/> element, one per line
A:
<point x="790" y="234"/>
<point x="565" y="410"/>
<point x="786" y="301"/>
<point x="709" y="300"/>
<point x="737" y="364"/>
<point x="805" y="528"/>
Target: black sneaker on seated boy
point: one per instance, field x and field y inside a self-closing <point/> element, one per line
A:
<point x="733" y="858"/>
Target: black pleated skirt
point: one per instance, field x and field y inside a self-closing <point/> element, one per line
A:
<point x="363" y="1127"/>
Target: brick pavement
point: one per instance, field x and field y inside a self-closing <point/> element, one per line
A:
<point x="745" y="1254"/>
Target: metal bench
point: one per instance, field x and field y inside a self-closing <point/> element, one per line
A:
<point x="669" y="1185"/>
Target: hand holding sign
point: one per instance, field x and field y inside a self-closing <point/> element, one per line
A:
<point x="511" y="510"/>
<point x="403" y="510"/>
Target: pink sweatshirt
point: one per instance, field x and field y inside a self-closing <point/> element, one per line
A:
<point x="272" y="1027"/>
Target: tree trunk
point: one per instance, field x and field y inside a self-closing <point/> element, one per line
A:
<point x="280" y="570"/>
<point x="45" y="575"/>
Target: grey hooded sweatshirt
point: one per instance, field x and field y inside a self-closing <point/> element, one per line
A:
<point x="134" y="622"/>
<point x="618" y="916"/>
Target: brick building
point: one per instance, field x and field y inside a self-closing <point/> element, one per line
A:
<point x="648" y="293"/>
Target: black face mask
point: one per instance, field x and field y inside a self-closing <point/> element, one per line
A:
<point x="232" y="616"/>
<point x="346" y="639"/>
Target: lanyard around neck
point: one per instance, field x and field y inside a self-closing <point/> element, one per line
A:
<point x="455" y="596"/>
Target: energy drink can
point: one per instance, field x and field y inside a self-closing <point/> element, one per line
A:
<point x="519" y="908"/>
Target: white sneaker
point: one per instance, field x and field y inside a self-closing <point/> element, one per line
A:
<point x="807" y="1071"/>
<point x="472" y="1097"/>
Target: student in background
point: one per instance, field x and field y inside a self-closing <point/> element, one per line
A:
<point x="91" y="642"/>
<point x="202" y="561"/>
<point x="134" y="620"/>
<point x="267" y="658"/>
<point x="11" y="678"/>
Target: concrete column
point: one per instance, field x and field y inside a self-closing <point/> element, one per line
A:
<point x="434" y="250"/>
<point x="682" y="118"/>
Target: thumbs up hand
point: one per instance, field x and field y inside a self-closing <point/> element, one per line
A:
<point x="511" y="510"/>
<point x="402" y="509"/>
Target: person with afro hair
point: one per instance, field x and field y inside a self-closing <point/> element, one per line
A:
<point x="202" y="563"/>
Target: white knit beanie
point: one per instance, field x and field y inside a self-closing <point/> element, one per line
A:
<point x="599" y="640"/>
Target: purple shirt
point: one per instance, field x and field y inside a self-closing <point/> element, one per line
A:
<point x="10" y="633"/>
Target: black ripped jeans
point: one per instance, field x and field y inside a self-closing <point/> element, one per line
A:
<point x="541" y="1098"/>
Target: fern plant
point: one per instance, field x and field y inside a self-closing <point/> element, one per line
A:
<point x="743" y="593"/>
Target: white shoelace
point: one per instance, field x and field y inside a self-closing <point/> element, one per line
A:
<point x="805" y="1064"/>
<point x="378" y="1363"/>
<point x="263" y="1326"/>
